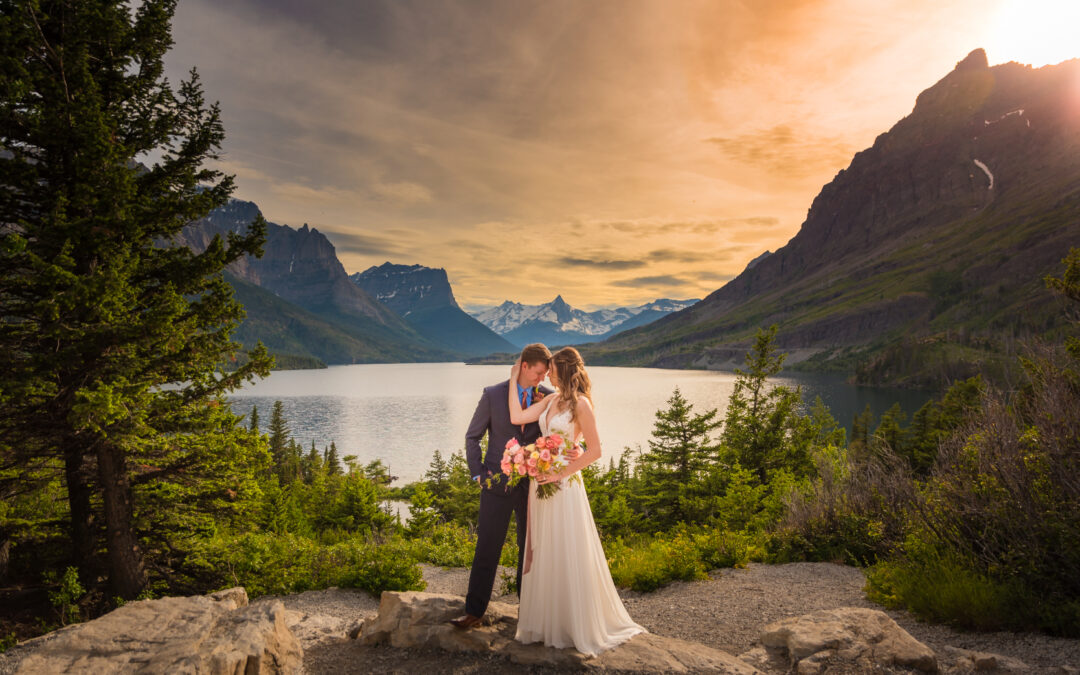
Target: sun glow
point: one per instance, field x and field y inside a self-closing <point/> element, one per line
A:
<point x="1036" y="32"/>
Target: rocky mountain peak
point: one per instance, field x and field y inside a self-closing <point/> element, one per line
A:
<point x="976" y="60"/>
<point x="407" y="288"/>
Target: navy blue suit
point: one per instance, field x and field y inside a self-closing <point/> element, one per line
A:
<point x="497" y="502"/>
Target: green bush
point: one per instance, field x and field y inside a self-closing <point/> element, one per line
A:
<point x="447" y="545"/>
<point x="276" y="564"/>
<point x="646" y="564"/>
<point x="850" y="538"/>
<point x="941" y="589"/>
<point x="377" y="567"/>
<point x="721" y="548"/>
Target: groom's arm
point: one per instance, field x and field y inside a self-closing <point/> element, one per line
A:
<point x="481" y="422"/>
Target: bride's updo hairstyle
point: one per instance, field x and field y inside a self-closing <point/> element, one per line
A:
<point x="573" y="380"/>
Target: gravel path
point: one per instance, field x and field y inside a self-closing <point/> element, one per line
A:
<point x="726" y="612"/>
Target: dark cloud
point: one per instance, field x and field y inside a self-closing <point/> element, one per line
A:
<point x="781" y="150"/>
<point x="602" y="264"/>
<point x="679" y="227"/>
<point x="715" y="276"/>
<point x="666" y="280"/>
<point x="684" y="256"/>
<point x="364" y="244"/>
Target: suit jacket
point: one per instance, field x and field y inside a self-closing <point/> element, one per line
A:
<point x="492" y="417"/>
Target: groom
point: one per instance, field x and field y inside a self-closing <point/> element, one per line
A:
<point x="497" y="501"/>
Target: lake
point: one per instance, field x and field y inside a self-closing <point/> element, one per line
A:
<point x="403" y="412"/>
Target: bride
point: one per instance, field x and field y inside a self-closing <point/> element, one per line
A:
<point x="567" y="596"/>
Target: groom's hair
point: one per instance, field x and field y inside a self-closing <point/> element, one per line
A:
<point x="535" y="353"/>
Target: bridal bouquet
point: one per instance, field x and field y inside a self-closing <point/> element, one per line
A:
<point x="546" y="456"/>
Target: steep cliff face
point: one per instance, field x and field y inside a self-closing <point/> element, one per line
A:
<point x="301" y="267"/>
<point x="422" y="296"/>
<point x="407" y="288"/>
<point x="952" y="217"/>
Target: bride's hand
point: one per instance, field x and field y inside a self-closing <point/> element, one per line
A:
<point x="515" y="369"/>
<point x="547" y="478"/>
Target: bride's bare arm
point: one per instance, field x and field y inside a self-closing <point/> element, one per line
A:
<point x="517" y="415"/>
<point x="587" y="422"/>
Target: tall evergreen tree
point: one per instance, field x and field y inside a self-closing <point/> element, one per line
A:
<point x="100" y="308"/>
<point x="333" y="465"/>
<point x="254" y="419"/>
<point x="672" y="469"/>
<point x="279" y="436"/>
<point x="762" y="423"/>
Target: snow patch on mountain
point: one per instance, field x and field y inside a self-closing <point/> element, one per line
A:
<point x="561" y="317"/>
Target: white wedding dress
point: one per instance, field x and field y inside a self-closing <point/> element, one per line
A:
<point x="567" y="597"/>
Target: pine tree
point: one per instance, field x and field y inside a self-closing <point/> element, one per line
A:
<point x="333" y="466"/>
<point x="889" y="433"/>
<point x="254" y="419"/>
<point x="671" y="471"/>
<point x="860" y="434"/>
<point x="437" y="475"/>
<point x="100" y="308"/>
<point x="279" y="436"/>
<point x="762" y="421"/>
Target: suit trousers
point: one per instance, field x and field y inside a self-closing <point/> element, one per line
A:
<point x="496" y="507"/>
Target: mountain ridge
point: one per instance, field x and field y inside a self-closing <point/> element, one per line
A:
<point x="300" y="267"/>
<point x="423" y="297"/>
<point x="558" y="323"/>
<point x="948" y="221"/>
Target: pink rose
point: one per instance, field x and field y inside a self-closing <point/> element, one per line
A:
<point x="521" y="469"/>
<point x="511" y="443"/>
<point x="531" y="462"/>
<point x="506" y="467"/>
<point x="533" y="472"/>
<point x="519" y="457"/>
<point x="556" y="439"/>
<point x="545" y="455"/>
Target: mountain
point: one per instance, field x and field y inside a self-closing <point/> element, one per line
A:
<point x="923" y="260"/>
<point x="423" y="298"/>
<point x="318" y="312"/>
<point x="557" y="323"/>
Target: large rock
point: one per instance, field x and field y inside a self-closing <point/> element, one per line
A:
<point x="865" y="637"/>
<point x="968" y="661"/>
<point x="421" y="620"/>
<point x="201" y="634"/>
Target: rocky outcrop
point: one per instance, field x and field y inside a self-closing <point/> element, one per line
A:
<point x="423" y="298"/>
<point x="866" y="638"/>
<point x="406" y="288"/>
<point x="421" y="620"/>
<point x="301" y="268"/>
<point x="216" y="634"/>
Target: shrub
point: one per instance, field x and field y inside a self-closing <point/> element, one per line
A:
<point x="377" y="567"/>
<point x="646" y="564"/>
<point x="447" y="545"/>
<point x="722" y="548"/>
<point x="272" y="564"/>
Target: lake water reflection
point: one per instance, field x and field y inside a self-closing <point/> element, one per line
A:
<point x="402" y="413"/>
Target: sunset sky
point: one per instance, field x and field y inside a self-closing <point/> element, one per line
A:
<point x="613" y="151"/>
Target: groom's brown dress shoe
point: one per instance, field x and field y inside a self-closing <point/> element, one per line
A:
<point x="466" y="622"/>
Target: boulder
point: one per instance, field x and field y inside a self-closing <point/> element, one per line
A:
<point x="865" y="637"/>
<point x="312" y="629"/>
<point x="422" y="620"/>
<point x="968" y="661"/>
<point x="200" y="634"/>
